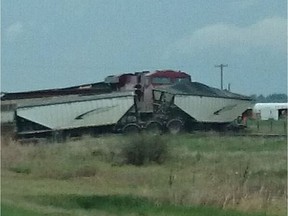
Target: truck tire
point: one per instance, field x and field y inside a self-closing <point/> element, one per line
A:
<point x="154" y="128"/>
<point x="131" y="128"/>
<point x="175" y="126"/>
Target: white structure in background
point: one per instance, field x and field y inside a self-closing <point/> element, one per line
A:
<point x="265" y="111"/>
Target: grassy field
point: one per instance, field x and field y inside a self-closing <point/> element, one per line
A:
<point x="267" y="126"/>
<point x="199" y="174"/>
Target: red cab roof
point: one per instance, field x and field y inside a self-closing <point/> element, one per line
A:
<point x="169" y="73"/>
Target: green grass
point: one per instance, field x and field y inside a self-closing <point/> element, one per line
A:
<point x="212" y="143"/>
<point x="267" y="126"/>
<point x="116" y="205"/>
<point x="12" y="210"/>
<point x="123" y="205"/>
<point x="203" y="174"/>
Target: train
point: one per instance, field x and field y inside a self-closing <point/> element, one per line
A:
<point x="155" y="102"/>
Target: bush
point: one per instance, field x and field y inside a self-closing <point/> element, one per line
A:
<point x="143" y="149"/>
<point x="20" y="169"/>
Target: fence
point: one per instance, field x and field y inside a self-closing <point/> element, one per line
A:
<point x="268" y="126"/>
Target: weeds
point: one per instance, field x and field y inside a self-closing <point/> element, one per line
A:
<point x="20" y="169"/>
<point x="239" y="173"/>
<point x="198" y="156"/>
<point x="125" y="205"/>
<point x="143" y="149"/>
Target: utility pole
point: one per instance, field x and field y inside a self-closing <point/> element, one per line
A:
<point x="221" y="67"/>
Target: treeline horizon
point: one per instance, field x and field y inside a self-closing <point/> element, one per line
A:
<point x="271" y="98"/>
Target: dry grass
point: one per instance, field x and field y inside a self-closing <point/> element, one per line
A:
<point x="228" y="172"/>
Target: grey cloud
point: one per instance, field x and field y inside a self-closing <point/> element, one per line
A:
<point x="269" y="33"/>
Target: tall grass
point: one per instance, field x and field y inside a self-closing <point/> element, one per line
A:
<point x="142" y="149"/>
<point x="268" y="126"/>
<point x="248" y="174"/>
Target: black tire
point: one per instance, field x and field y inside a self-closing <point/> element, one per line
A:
<point x="153" y="128"/>
<point x="175" y="126"/>
<point x="131" y="128"/>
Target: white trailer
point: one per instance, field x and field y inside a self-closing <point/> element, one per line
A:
<point x="204" y="103"/>
<point x="265" y="111"/>
<point x="74" y="112"/>
<point x="211" y="109"/>
<point x="197" y="103"/>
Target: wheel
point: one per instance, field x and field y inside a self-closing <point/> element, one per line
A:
<point x="131" y="128"/>
<point x="175" y="126"/>
<point x="153" y="128"/>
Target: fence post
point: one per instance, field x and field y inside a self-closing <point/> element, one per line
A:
<point x="258" y="125"/>
<point x="271" y="125"/>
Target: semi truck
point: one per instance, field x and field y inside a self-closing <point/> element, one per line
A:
<point x="156" y="102"/>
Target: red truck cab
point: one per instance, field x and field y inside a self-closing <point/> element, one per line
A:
<point x="144" y="82"/>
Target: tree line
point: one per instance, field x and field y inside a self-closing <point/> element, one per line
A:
<point x="272" y="98"/>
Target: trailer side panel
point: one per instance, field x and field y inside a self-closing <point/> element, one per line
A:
<point x="75" y="114"/>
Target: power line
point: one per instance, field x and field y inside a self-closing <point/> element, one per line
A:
<point x="221" y="67"/>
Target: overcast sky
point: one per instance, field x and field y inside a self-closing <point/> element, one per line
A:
<point x="60" y="43"/>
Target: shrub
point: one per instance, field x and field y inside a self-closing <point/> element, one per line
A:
<point x="20" y="169"/>
<point x="143" y="149"/>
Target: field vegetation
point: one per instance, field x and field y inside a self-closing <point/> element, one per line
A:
<point x="272" y="127"/>
<point x="188" y="174"/>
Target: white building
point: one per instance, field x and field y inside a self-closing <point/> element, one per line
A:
<point x="265" y="111"/>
